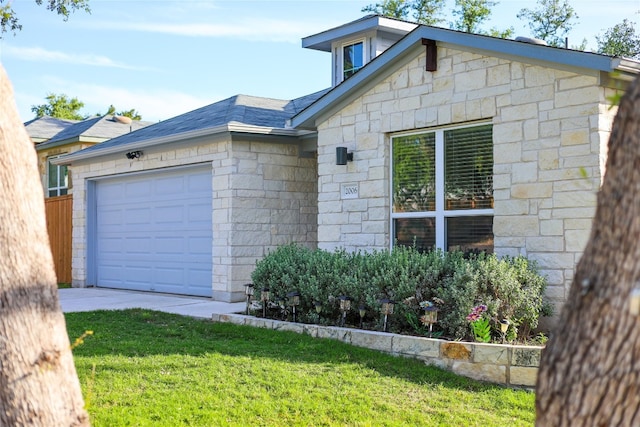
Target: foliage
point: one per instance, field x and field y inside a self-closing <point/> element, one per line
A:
<point x="59" y="106"/>
<point x="141" y="368"/>
<point x="63" y="107"/>
<point x="550" y="21"/>
<point x="10" y="22"/>
<point x="398" y="9"/>
<point x="425" y="12"/>
<point x="620" y="40"/>
<point x="471" y="13"/>
<point x="132" y="114"/>
<point x="428" y="12"/>
<point x="511" y="288"/>
<point x="480" y="323"/>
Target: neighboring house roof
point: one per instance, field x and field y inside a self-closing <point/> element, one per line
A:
<point x="44" y="128"/>
<point x="387" y="62"/>
<point x="94" y="129"/>
<point x="240" y="113"/>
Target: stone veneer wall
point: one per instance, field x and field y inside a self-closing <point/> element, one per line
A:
<point x="267" y="199"/>
<point x="501" y="364"/>
<point x="264" y="195"/>
<point x="550" y="131"/>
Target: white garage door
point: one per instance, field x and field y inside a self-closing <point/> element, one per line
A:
<point x="154" y="232"/>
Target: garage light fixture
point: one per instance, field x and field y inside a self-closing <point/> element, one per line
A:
<point x="134" y="154"/>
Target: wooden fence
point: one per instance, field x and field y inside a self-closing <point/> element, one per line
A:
<point x="59" y="211"/>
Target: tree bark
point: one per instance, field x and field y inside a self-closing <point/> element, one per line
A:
<point x="38" y="381"/>
<point x="590" y="369"/>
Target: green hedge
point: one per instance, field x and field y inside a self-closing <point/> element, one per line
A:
<point x="510" y="287"/>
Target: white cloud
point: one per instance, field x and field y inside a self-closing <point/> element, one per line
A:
<point x="38" y="54"/>
<point x="151" y="103"/>
<point x="271" y="30"/>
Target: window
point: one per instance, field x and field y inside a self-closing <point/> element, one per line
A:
<point x="352" y="59"/>
<point x="57" y="179"/>
<point x="442" y="186"/>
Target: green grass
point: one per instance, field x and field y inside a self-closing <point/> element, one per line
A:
<point x="146" y="368"/>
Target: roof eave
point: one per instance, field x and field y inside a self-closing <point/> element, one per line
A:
<point x="322" y="41"/>
<point x="75" y="140"/>
<point x="200" y="133"/>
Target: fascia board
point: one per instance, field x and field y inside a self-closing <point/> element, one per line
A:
<point x="322" y="41"/>
<point x="200" y="133"/>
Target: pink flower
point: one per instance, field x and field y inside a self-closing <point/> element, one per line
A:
<point x="476" y="313"/>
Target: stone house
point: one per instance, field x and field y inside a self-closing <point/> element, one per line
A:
<point x="429" y="136"/>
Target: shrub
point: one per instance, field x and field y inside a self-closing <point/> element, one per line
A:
<point x="510" y="287"/>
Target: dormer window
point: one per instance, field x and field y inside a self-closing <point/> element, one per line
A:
<point x="352" y="58"/>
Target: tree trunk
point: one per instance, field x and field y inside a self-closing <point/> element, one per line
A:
<point x="38" y="381"/>
<point x="590" y="370"/>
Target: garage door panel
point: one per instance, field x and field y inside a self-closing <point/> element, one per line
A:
<point x="170" y="245"/>
<point x="154" y="232"/>
<point x="199" y="183"/>
<point x="136" y="189"/>
<point x="170" y="277"/>
<point x="169" y="214"/>
<point x="138" y="246"/>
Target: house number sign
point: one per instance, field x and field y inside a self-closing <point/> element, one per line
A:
<point x="349" y="191"/>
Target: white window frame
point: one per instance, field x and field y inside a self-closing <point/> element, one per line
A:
<point x="341" y="54"/>
<point x="440" y="213"/>
<point x="59" y="187"/>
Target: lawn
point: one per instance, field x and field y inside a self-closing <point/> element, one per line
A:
<point x="146" y="368"/>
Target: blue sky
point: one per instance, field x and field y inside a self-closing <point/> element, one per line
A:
<point x="166" y="57"/>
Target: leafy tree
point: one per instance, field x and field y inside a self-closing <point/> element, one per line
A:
<point x="428" y="12"/>
<point x="132" y="114"/>
<point x="392" y="8"/>
<point x="581" y="46"/>
<point x="620" y="40"/>
<point x="60" y="106"/>
<point x="9" y="21"/>
<point x="425" y="12"/>
<point x="551" y="21"/>
<point x="472" y="13"/>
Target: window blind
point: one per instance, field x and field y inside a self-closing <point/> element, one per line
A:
<point x="469" y="168"/>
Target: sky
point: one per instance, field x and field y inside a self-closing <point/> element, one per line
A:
<point x="167" y="57"/>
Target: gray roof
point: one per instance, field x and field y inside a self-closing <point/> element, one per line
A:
<point x="94" y="129"/>
<point x="408" y="47"/>
<point x="245" y="111"/>
<point x="45" y="127"/>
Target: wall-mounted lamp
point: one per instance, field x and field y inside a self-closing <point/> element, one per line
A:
<point x="342" y="157"/>
<point x="134" y="154"/>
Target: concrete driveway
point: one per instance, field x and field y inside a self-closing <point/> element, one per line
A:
<point x="90" y="299"/>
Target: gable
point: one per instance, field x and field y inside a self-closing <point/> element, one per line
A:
<point x="412" y="45"/>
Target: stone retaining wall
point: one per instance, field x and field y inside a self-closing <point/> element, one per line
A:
<point x="509" y="365"/>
